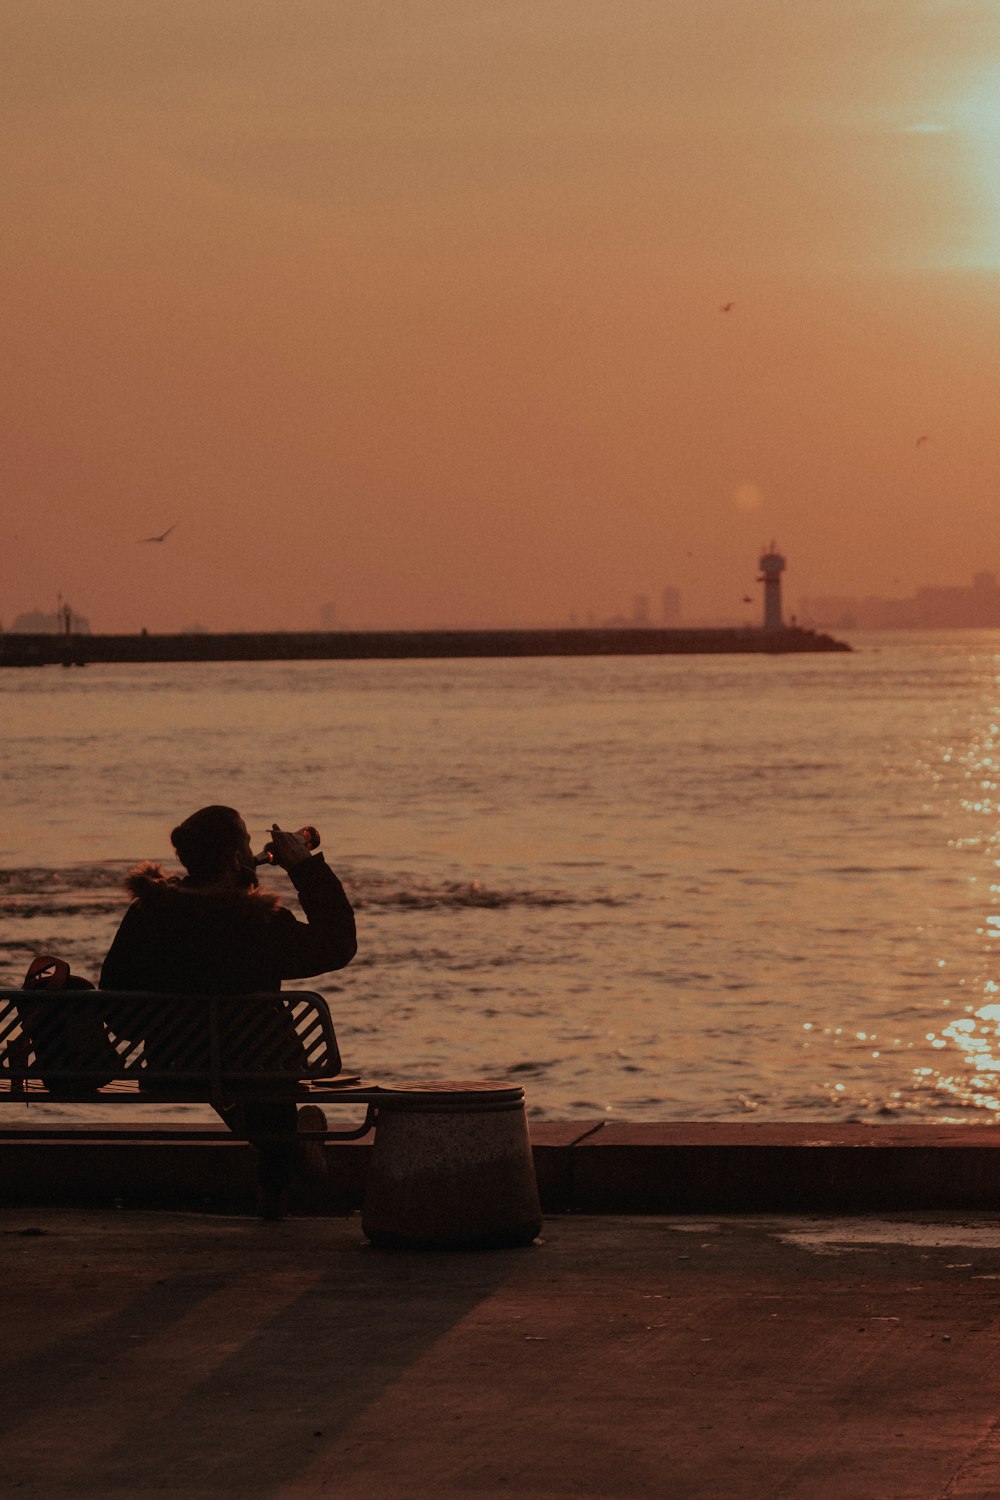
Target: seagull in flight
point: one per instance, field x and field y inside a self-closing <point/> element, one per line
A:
<point x="727" y="306"/>
<point x="162" y="536"/>
<point x="922" y="439"/>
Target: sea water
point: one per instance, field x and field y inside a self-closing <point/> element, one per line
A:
<point x="644" y="888"/>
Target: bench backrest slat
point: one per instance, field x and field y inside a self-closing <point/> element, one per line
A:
<point x="83" y="1034"/>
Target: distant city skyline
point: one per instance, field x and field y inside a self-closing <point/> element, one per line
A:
<point x="930" y="606"/>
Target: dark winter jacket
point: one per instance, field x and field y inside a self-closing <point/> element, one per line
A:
<point x="178" y="939"/>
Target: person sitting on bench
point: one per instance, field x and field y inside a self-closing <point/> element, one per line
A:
<point x="215" y="932"/>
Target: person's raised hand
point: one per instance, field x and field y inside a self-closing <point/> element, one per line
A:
<point x="288" y="849"/>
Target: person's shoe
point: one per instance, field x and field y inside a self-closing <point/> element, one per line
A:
<point x="311" y="1121"/>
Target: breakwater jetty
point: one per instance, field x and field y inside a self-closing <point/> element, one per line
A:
<point x="388" y="645"/>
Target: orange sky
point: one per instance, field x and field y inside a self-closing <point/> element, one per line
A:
<point x="415" y="308"/>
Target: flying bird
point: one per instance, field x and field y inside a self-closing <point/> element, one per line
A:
<point x="162" y="536"/>
<point x="727" y="306"/>
<point x="747" y="598"/>
<point x="921" y="439"/>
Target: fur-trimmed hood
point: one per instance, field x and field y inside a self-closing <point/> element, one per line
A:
<point x="150" y="887"/>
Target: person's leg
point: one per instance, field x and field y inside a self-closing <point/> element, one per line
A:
<point x="311" y="1124"/>
<point x="269" y="1125"/>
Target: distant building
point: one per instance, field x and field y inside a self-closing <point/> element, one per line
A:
<point x="670" y="606"/>
<point x="35" y="622"/>
<point x="930" y="608"/>
<point x="979" y="605"/>
<point x="640" y="609"/>
<point x="328" y="617"/>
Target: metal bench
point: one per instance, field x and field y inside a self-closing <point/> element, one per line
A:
<point x="150" y="1049"/>
<point x="451" y="1165"/>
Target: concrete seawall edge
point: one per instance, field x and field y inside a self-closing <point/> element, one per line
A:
<point x="584" y="1167"/>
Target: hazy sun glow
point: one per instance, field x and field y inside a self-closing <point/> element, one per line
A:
<point x="498" y="314"/>
<point x="978" y="118"/>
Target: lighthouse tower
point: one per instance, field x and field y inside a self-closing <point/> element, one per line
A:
<point x="771" y="565"/>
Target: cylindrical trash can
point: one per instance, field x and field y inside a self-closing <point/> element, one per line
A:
<point x="451" y="1169"/>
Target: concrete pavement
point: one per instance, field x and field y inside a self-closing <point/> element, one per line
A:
<point x="186" y="1355"/>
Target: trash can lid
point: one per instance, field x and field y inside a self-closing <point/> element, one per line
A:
<point x="469" y="1096"/>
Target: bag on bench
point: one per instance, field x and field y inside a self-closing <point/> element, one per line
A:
<point x="65" y="1035"/>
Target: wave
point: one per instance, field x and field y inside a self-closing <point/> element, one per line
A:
<point x="40" y="881"/>
<point x="414" y="893"/>
<point x="93" y="890"/>
<point x="98" y="888"/>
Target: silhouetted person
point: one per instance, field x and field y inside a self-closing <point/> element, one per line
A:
<point x="215" y="932"/>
